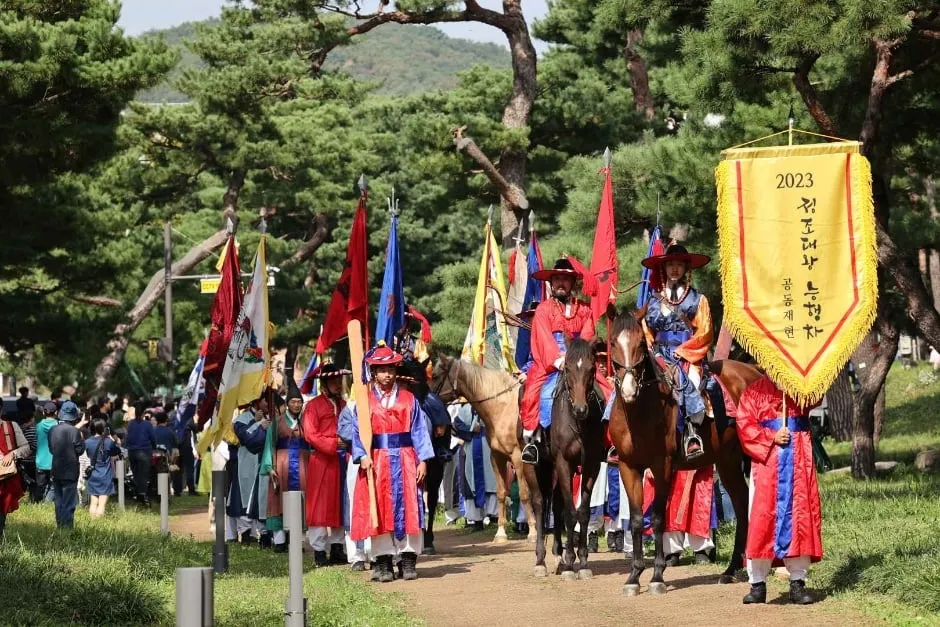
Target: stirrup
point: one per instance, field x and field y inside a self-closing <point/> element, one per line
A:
<point x="533" y="453"/>
<point x="689" y="439"/>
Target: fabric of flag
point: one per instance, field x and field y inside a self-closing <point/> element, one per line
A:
<point x="309" y="384"/>
<point x="391" y="316"/>
<point x="604" y="253"/>
<point x="655" y="248"/>
<point x="246" y="365"/>
<point x="488" y="342"/>
<point x="225" y="307"/>
<point x="351" y="295"/>
<point x="534" y="294"/>
<point x="518" y="281"/>
<point x="195" y="387"/>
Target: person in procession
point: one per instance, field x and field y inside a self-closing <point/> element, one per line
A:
<point x="247" y="490"/>
<point x="357" y="552"/>
<point x="13" y="446"/>
<point x="326" y="468"/>
<point x="559" y="317"/>
<point x="678" y="328"/>
<point x="479" y="479"/>
<point x="285" y="459"/>
<point x="400" y="448"/>
<point x="785" y="517"/>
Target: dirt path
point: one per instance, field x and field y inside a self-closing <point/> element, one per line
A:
<point x="473" y="582"/>
<point x="193" y="523"/>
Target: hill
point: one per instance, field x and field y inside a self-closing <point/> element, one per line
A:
<point x="402" y="59"/>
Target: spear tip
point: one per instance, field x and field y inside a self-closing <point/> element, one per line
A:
<point x="608" y="157"/>
<point x="363" y="183"/>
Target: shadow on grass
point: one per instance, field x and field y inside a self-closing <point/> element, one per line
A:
<point x="848" y="575"/>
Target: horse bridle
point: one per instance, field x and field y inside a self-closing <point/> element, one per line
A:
<point x="453" y="387"/>
<point x="638" y="365"/>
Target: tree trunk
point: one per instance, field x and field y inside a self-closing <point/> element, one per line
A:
<point x="879" y="414"/>
<point x="517" y="113"/>
<point x="872" y="359"/>
<point x="933" y="257"/>
<point x="840" y="399"/>
<point x="639" y="77"/>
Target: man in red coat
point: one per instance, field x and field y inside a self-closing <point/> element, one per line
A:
<point x="556" y="319"/>
<point x="400" y="446"/>
<point x="325" y="468"/>
<point x="785" y="527"/>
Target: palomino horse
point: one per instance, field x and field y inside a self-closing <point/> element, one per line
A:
<point x="576" y="438"/>
<point x="643" y="430"/>
<point x="495" y="397"/>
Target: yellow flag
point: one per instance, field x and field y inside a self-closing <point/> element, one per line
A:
<point x="246" y="365"/>
<point x="796" y="230"/>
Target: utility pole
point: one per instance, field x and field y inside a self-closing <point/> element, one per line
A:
<point x="168" y="308"/>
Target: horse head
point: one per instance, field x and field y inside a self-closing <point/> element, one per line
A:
<point x="578" y="376"/>
<point x="629" y="354"/>
<point x="442" y="380"/>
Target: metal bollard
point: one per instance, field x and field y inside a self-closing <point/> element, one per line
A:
<point x="195" y="603"/>
<point x="119" y="470"/>
<point x="296" y="613"/>
<point x="163" y="490"/>
<point x="220" y="551"/>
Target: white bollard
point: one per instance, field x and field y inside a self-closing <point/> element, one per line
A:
<point x="195" y="604"/>
<point x="296" y="613"/>
<point x="163" y="490"/>
<point x="119" y="471"/>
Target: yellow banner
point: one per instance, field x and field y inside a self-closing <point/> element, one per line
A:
<point x="796" y="230"/>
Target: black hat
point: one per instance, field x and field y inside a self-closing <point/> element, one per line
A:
<point x="562" y="267"/>
<point x="677" y="252"/>
<point x="292" y="389"/>
<point x="329" y="371"/>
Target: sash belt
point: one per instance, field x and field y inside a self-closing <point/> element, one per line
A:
<point x="794" y="423"/>
<point x="391" y="440"/>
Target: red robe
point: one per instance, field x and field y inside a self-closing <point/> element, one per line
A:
<point x="11" y="488"/>
<point x="785" y="514"/>
<point x="324" y="474"/>
<point x="550" y="326"/>
<point x="400" y="441"/>
<point x="688" y="513"/>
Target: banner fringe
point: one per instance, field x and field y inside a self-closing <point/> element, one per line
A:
<point x="859" y="325"/>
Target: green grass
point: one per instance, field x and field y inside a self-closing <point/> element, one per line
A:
<point x="119" y="571"/>
<point x="880" y="537"/>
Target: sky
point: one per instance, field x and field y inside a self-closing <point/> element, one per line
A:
<point x="138" y="16"/>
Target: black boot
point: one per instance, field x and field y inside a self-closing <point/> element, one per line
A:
<point x="618" y="541"/>
<point x="247" y="538"/>
<point x="374" y="570"/>
<point x="280" y="548"/>
<point x="611" y="541"/>
<point x="319" y="559"/>
<point x="384" y="563"/>
<point x="799" y="594"/>
<point x="409" y="562"/>
<point x="266" y="540"/>
<point x="337" y="554"/>
<point x="673" y="559"/>
<point x="758" y="594"/>
<point x="592" y="542"/>
<point x="702" y="557"/>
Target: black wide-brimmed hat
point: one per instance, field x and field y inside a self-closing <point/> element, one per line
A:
<point x="562" y="267"/>
<point x="329" y="371"/>
<point x="677" y="252"/>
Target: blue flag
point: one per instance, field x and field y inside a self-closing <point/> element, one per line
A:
<point x="534" y="294"/>
<point x="391" y="316"/>
<point x="655" y="248"/>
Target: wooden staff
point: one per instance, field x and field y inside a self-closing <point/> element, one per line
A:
<point x="361" y="395"/>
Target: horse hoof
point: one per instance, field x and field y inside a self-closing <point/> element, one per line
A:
<point x="657" y="588"/>
<point x="500" y="539"/>
<point x="585" y="573"/>
<point x="532" y="538"/>
<point x="541" y="571"/>
<point x="569" y="575"/>
<point x="631" y="589"/>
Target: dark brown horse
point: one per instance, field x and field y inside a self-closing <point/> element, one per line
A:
<point x="643" y="430"/>
<point x="576" y="438"/>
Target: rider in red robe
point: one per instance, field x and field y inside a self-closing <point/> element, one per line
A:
<point x="400" y="446"/>
<point x="325" y="468"/>
<point x="560" y="317"/>
<point x="785" y="526"/>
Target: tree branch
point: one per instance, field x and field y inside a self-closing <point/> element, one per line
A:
<point x="320" y="233"/>
<point x="509" y="192"/>
<point x="97" y="301"/>
<point x="811" y="97"/>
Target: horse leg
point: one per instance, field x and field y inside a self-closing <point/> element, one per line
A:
<point x="558" y="524"/>
<point x="524" y="493"/>
<point x="732" y="478"/>
<point x="633" y="484"/>
<point x="499" y="461"/>
<point x="584" y="517"/>
<point x="565" y="503"/>
<point x="530" y="477"/>
<point x="661" y="469"/>
<point x="434" y="479"/>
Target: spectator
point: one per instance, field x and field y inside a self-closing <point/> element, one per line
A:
<point x="13" y="446"/>
<point x="25" y="406"/>
<point x="43" y="454"/>
<point x="65" y="443"/>
<point x="101" y="450"/>
<point x="27" y="464"/>
<point x="140" y="443"/>
<point x="188" y="456"/>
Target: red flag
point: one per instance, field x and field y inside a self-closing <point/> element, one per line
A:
<point x="350" y="298"/>
<point x="225" y="307"/>
<point x="604" y="254"/>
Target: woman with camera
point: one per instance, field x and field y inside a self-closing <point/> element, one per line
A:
<point x="99" y="479"/>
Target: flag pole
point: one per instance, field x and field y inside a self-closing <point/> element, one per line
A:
<point x="364" y="198"/>
<point x="608" y="158"/>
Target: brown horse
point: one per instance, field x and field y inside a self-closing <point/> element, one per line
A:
<point x="643" y="431"/>
<point x="495" y="397"/>
<point x="576" y="438"/>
